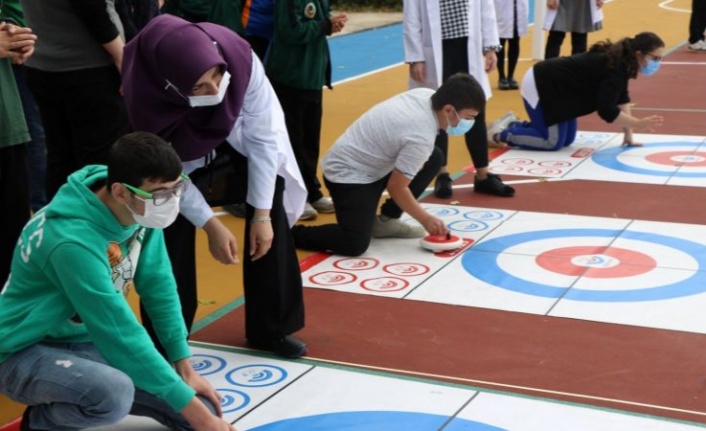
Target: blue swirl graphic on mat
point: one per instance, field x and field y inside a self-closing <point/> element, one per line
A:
<point x="207" y="364"/>
<point x="256" y="375"/>
<point x="375" y="421"/>
<point x="233" y="400"/>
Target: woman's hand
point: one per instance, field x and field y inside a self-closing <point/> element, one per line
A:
<point x="261" y="235"/>
<point x="221" y="242"/>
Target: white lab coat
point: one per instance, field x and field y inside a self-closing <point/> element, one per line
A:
<point x="260" y="134"/>
<point x="596" y="14"/>
<point x="422" y="39"/>
<point x="505" y="11"/>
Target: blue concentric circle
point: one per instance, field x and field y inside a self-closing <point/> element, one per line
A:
<point x="609" y="158"/>
<point x="256" y="375"/>
<point x="484" y="266"/>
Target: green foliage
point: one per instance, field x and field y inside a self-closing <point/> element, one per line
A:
<point x="367" y="5"/>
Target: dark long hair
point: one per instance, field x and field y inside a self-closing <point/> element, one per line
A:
<point x="623" y="51"/>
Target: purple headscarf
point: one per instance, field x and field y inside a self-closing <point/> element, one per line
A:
<point x="172" y="51"/>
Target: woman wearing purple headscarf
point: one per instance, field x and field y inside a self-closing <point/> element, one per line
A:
<point x="200" y="87"/>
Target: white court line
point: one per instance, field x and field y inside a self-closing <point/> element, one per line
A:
<point x="698" y="111"/>
<point x="687" y="63"/>
<point x="508" y="386"/>
<point x="664" y="5"/>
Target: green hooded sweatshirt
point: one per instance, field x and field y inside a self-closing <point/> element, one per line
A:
<point x="72" y="268"/>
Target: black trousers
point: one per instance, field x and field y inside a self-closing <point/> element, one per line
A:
<point x="697" y="22"/>
<point x="356" y="208"/>
<point x="14" y="200"/>
<point x="83" y="114"/>
<point x="454" y="60"/>
<point x="302" y="113"/>
<point x="579" y="43"/>
<point x="274" y="303"/>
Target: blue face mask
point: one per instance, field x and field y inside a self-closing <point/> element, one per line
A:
<point x="650" y="68"/>
<point x="461" y="128"/>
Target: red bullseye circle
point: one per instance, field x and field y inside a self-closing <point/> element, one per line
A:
<point x="596" y="262"/>
<point x="681" y="158"/>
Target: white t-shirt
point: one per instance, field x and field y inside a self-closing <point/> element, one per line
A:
<point x="398" y="133"/>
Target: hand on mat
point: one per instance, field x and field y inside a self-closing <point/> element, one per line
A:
<point x="261" y="236"/>
<point x="221" y="242"/>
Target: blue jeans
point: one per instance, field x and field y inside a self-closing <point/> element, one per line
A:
<point x="536" y="135"/>
<point x="71" y="387"/>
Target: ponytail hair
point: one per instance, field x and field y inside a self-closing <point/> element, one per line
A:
<point x="624" y="51"/>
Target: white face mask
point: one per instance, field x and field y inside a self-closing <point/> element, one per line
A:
<point x="212" y="99"/>
<point x="157" y="217"/>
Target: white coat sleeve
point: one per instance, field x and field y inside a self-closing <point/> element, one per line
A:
<point x="412" y="28"/>
<point x="193" y="205"/>
<point x="262" y="120"/>
<point x="489" y="24"/>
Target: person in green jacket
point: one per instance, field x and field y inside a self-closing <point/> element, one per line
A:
<point x="298" y="65"/>
<point x="64" y="313"/>
<point x="16" y="45"/>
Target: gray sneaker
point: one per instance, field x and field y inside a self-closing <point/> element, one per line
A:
<point x="324" y="205"/>
<point x="394" y="228"/>
<point x="497" y="126"/>
<point x="309" y="213"/>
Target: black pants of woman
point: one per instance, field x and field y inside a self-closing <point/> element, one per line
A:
<point x="274" y="304"/>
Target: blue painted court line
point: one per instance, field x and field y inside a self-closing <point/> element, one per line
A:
<point x="366" y="51"/>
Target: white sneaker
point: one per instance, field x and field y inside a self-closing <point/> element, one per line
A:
<point x="497" y="126"/>
<point x="309" y="212"/>
<point x="699" y="46"/>
<point x="395" y="228"/>
<point x="324" y="205"/>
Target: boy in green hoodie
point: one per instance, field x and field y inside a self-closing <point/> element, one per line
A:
<point x="63" y="312"/>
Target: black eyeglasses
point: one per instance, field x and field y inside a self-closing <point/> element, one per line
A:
<point x="655" y="57"/>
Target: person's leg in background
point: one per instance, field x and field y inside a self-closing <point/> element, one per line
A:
<point x="14" y="199"/>
<point x="554" y="41"/>
<point x="697" y="26"/>
<point x="454" y="60"/>
<point x="513" y="56"/>
<point x="303" y="113"/>
<point x="502" y="78"/>
<point x="579" y="42"/>
<point x="180" y="240"/>
<point x="36" y="148"/>
<point x="477" y="145"/>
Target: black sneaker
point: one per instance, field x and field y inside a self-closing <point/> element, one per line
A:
<point x="288" y="346"/>
<point x="493" y="185"/>
<point x="442" y="186"/>
<point x="503" y="84"/>
<point x="512" y="84"/>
